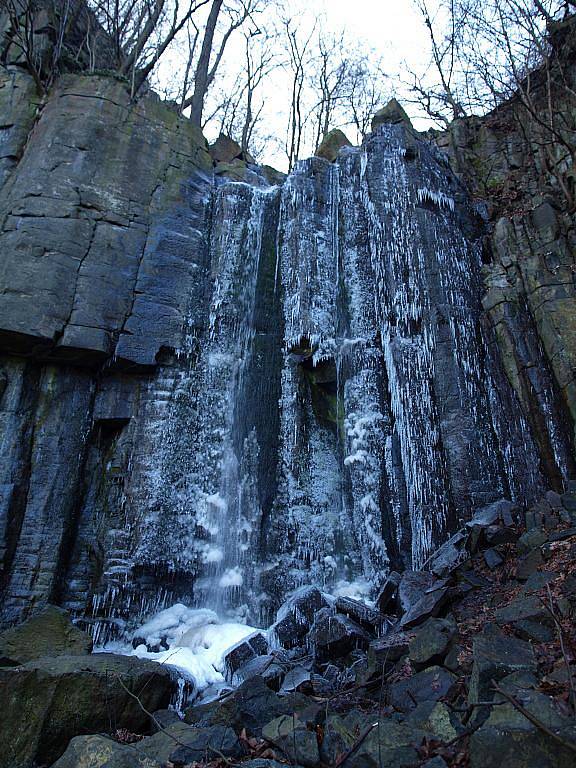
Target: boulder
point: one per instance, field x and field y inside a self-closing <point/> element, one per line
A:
<point x="493" y="558"/>
<point x="368" y="618"/>
<point x="225" y="150"/>
<point x="388" y="649"/>
<point x="529" y="618"/>
<point x="387" y="600"/>
<point x="431" y="642"/>
<point x="331" y="144"/>
<point x="296" y="616"/>
<point x="508" y="738"/>
<point x="333" y="636"/>
<point x="412" y="587"/>
<point x="435" y="718"/>
<point x="97" y="751"/>
<point x="450" y="555"/>
<point x="250" y="706"/>
<point x="266" y="667"/>
<point x="393" y="113"/>
<point x="240" y="654"/>
<point x="48" y="701"/>
<point x="381" y="743"/>
<point x="430" y="604"/>
<point x="430" y="685"/>
<point x="495" y="655"/>
<point x="48" y="633"/>
<point x="205" y="744"/>
<point x="292" y="737"/>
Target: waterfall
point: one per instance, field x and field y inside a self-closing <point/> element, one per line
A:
<point x="335" y="409"/>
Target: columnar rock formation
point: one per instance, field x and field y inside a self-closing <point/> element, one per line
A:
<point x="215" y="390"/>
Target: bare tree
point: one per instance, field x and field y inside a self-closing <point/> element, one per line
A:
<point x="207" y="64"/>
<point x="298" y="45"/>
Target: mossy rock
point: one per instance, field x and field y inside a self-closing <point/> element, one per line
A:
<point x="48" y="633"/>
<point x="331" y="145"/>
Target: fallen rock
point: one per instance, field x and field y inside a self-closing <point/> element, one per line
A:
<point x="293" y="738"/>
<point x="431" y="604"/>
<point x="48" y="633"/>
<point x="296" y="616"/>
<point x="387" y="600"/>
<point x="97" y="751"/>
<point x="250" y="706"/>
<point x="331" y="145"/>
<point x="205" y="744"/>
<point x="333" y="636"/>
<point x="163" y="718"/>
<point x="509" y="738"/>
<point x="431" y="642"/>
<point x="380" y="743"/>
<point x="368" y="618"/>
<point x="388" y="649"/>
<point x="252" y="646"/>
<point x="435" y="718"/>
<point x="48" y="701"/>
<point x="450" y="555"/>
<point x="493" y="558"/>
<point x="529" y="618"/>
<point x="225" y="150"/>
<point x="412" y="587"/>
<point x="265" y="667"/>
<point x="430" y="685"/>
<point x="496" y="655"/>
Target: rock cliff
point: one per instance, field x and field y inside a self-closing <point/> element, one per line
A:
<point x="217" y="390"/>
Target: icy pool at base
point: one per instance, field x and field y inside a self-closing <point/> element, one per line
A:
<point x="197" y="640"/>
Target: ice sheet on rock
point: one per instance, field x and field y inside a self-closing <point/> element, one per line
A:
<point x="197" y="640"/>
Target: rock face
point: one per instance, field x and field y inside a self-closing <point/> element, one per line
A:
<point x="48" y="633"/>
<point x="48" y="701"/>
<point x="215" y="391"/>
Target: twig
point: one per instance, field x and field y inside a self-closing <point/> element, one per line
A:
<point x="355" y="746"/>
<point x="533" y="719"/>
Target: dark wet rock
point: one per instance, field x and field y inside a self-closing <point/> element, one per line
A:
<point x="508" y="738"/>
<point x="388" y="649"/>
<point x="413" y="585"/>
<point x="387" y="600"/>
<point x="496" y="655"/>
<point x="204" y="744"/>
<point x="431" y="642"/>
<point x="266" y="667"/>
<point x="430" y="685"/>
<point x="529" y="564"/>
<point x="49" y="632"/>
<point x="296" y="616"/>
<point x="385" y="743"/>
<point x="530" y="540"/>
<point x="450" y="555"/>
<point x="250" y="706"/>
<point x="48" y="701"/>
<point x="297" y="679"/>
<point x="163" y="718"/>
<point x="292" y="737"/>
<point x="431" y="604"/>
<point x="333" y="636"/>
<point x="240" y="654"/>
<point x="435" y="718"/>
<point x="529" y="618"/>
<point x="499" y="512"/>
<point x="368" y="618"/>
<point x="493" y="558"/>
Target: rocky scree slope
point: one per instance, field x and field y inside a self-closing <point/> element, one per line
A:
<point x="467" y="664"/>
